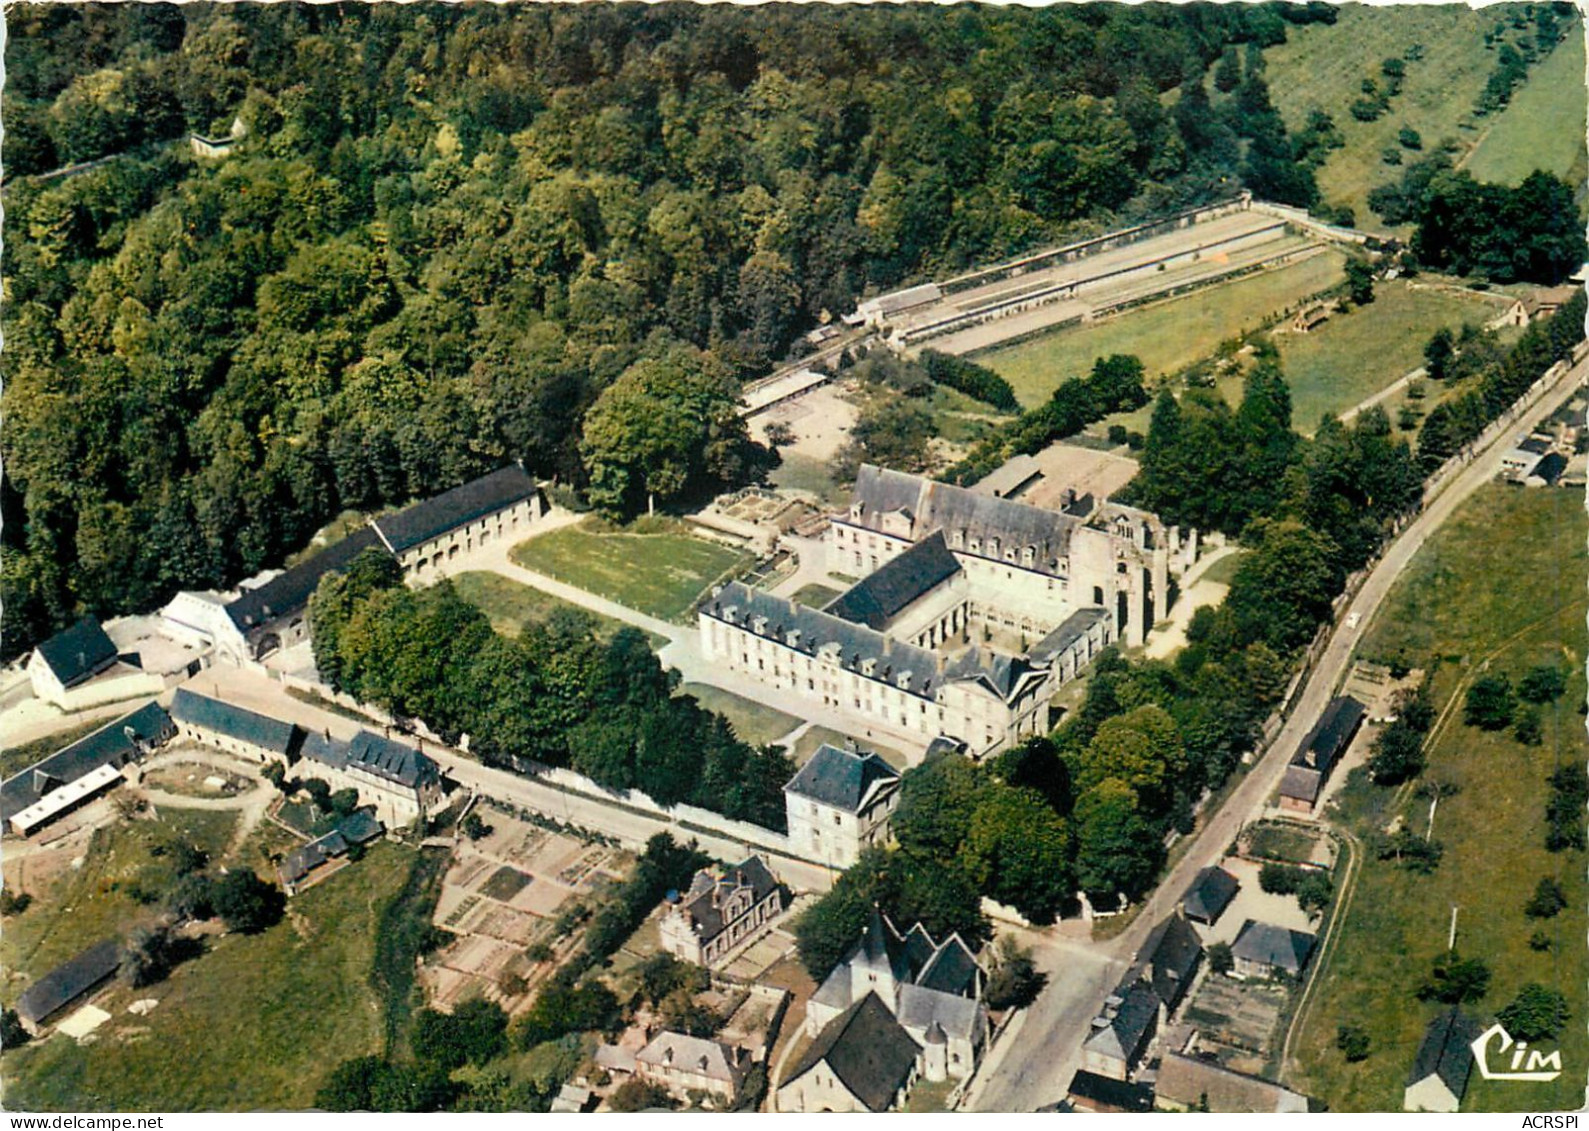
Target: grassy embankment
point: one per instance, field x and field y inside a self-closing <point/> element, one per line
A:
<point x="1501" y="586"/>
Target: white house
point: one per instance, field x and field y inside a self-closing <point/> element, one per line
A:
<point x="839" y="803"/>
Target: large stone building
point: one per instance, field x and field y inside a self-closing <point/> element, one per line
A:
<point x="1026" y="568"/>
<point x="489" y="509"/>
<point x="722" y="911"/>
<point x="838" y="805"/>
<point x="75" y="774"/>
<point x="936" y="638"/>
<point x="933" y="990"/>
<point x="862" y="1061"/>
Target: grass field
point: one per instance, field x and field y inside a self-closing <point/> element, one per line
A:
<point x="1543" y="126"/>
<point x="817" y="735"/>
<point x="97" y="901"/>
<point x="657" y="574"/>
<point x="254" y="1023"/>
<point x="752" y="722"/>
<point x="1500" y="584"/>
<point x="815" y="595"/>
<point x="1355" y="355"/>
<point x="512" y="605"/>
<point x="15" y="759"/>
<point x="1322" y="66"/>
<point x="1165" y="336"/>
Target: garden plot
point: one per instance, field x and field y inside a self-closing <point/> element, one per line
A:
<point x="1237" y="1020"/>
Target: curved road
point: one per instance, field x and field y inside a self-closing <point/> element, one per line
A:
<point x="1033" y="1062"/>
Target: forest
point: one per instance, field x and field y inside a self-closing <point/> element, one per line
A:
<point x="449" y="232"/>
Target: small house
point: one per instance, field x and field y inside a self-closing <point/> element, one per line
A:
<point x="1211" y="892"/>
<point x="684" y="1064"/>
<point x="1322" y="748"/>
<point x="1122" y="1032"/>
<point x="721" y="912"/>
<point x="1262" y="950"/>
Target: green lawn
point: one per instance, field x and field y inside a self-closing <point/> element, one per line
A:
<point x="752" y="722"/>
<point x="1504" y="583"/>
<point x="1543" y="126"/>
<point x="99" y="900"/>
<point x="799" y="472"/>
<point x="1355" y="355"/>
<point x="1322" y="66"/>
<point x="1165" y="336"/>
<point x="815" y="595"/>
<point x="817" y="735"/>
<point x="511" y="605"/>
<point x="657" y="574"/>
<point x="256" y="1023"/>
<point x="1223" y="572"/>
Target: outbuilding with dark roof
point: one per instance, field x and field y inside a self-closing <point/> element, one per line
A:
<point x="67" y="983"/>
<point x="500" y="505"/>
<point x="1211" y="892"/>
<point x="44" y="791"/>
<point x="1262" y="950"/>
<point x="1439" y="1076"/>
<point x="225" y="726"/>
<point x="900" y="582"/>
<point x="70" y="659"/>
<point x="1089" y="1091"/>
<point x="274" y="615"/>
<point x="1320" y="751"/>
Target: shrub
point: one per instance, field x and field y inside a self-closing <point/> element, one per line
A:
<point x="1544" y="684"/>
<point x="1489" y="703"/>
<point x="1528" y="730"/>
<point x="1353" y="1041"/>
<point x="1220" y="959"/>
<point x="1547" y="901"/>
<point x="1535" y="1013"/>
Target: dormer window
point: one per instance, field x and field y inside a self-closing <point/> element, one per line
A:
<point x="1029" y="556"/>
<point x="957" y="540"/>
<point x="993" y="547"/>
<point x="793" y="638"/>
<point x="758" y="625"/>
<point x="975" y="546"/>
<point x="868" y="666"/>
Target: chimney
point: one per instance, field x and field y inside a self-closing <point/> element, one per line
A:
<point x="667" y="1055"/>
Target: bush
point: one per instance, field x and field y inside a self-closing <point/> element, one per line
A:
<point x="1118" y="434"/>
<point x="1015" y="981"/>
<point x="1539" y="940"/>
<point x="1528" y="730"/>
<point x="1544" y="684"/>
<point x="12" y="1033"/>
<point x="1547" y="901"/>
<point x="1489" y="703"/>
<point x="1353" y="1041"/>
<point x="638" y="1095"/>
<point x="1220" y="959"/>
<point x="14" y="903"/>
<point x="1409" y="138"/>
<point x="1281" y="879"/>
<point x="1535" y="1013"/>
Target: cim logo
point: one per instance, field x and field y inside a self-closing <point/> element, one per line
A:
<point x="1526" y="1063"/>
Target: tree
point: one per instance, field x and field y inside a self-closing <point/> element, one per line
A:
<point x="1543" y="684"/>
<point x="475" y="828"/>
<point x="247" y="903"/>
<point x="275" y="773"/>
<point x="639" y="1095"/>
<point x="1314" y="892"/>
<point x="146" y="957"/>
<point x="937" y="801"/>
<point x="1438" y="353"/>
<point x="192" y="897"/>
<point x="12" y="1033"/>
<point x="319" y="792"/>
<point x="474" y="1033"/>
<point x="1019" y="851"/>
<point x="1117" y="848"/>
<point x="1396" y="753"/>
<point x="1220" y="959"/>
<point x="1353" y="1041"/>
<point x="1280" y="879"/>
<point x="1454" y="979"/>
<point x="1536" y="1013"/>
<point x="1489" y="703"/>
<point x="1014" y="981"/>
<point x="1548" y="900"/>
<point x="1142" y="748"/>
<point x="344" y="801"/>
<point x="1528" y="730"/>
<point x="1359" y="281"/>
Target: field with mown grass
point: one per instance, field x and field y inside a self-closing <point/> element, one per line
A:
<point x="753" y="722"/>
<point x="511" y="605"/>
<point x="1357" y="354"/>
<point x="1322" y="66"/>
<point x="660" y="574"/>
<point x="1502" y="586"/>
<point x="1165" y="336"/>
<point x="1543" y="126"/>
<point x="255" y="1023"/>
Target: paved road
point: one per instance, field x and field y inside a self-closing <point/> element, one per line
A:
<point x="1035" y="1066"/>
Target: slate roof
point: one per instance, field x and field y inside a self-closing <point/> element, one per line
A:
<point x="69" y="981"/>
<point x="1185" y="1080"/>
<point x="893" y="587"/>
<point x="77" y="653"/>
<point x="961" y="514"/>
<point x="1210" y="893"/>
<point x="921" y="1008"/>
<point x="1301" y="783"/>
<point x="107" y="746"/>
<point x="705" y="913"/>
<point x="1132" y="1023"/>
<point x="451" y="509"/>
<point x="234" y="721"/>
<point x="1171" y="955"/>
<point x="869" y="1052"/>
<point x="712" y="1059"/>
<point x="394" y="761"/>
<point x="1446" y="1051"/>
<point x="360" y="827"/>
<point x="1103" y="1091"/>
<point x="917" y="949"/>
<point x="307" y="857"/>
<point x="1069" y="630"/>
<point x="1269" y="945"/>
<point x="1534" y="446"/>
<point x="1013" y="474"/>
<point x="842" y="779"/>
<point x="997" y="672"/>
<point x="911" y="669"/>
<point x="1331" y="735"/>
<point x="952" y="970"/>
<point x="1550" y="468"/>
<point x="289" y="592"/>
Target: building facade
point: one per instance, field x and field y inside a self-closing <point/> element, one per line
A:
<point x="683" y="1064"/>
<point x="498" y="506"/>
<point x="838" y="805"/>
<point x="721" y="912"/>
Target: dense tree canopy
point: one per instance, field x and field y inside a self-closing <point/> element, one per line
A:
<point x="451" y="230"/>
